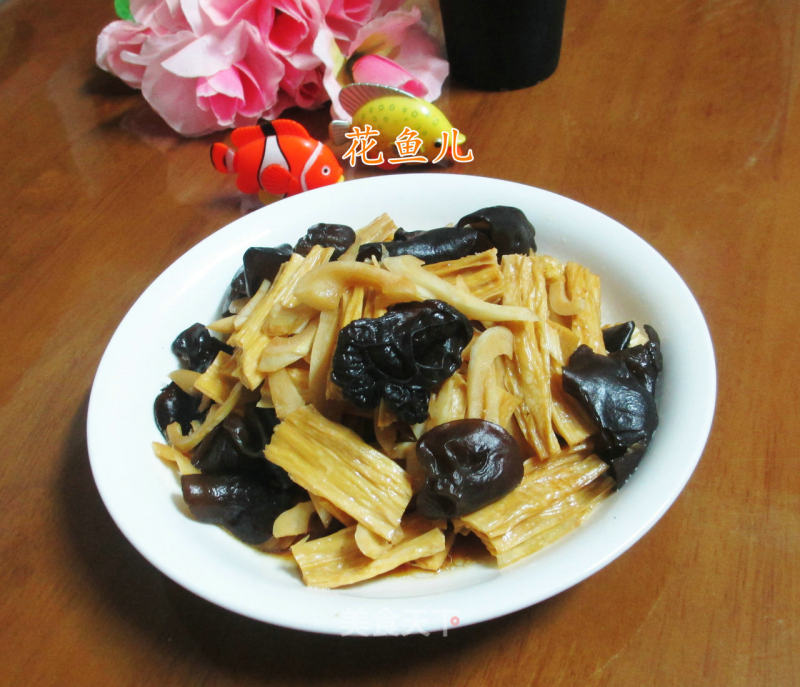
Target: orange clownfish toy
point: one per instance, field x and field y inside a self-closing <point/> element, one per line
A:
<point x="278" y="157"/>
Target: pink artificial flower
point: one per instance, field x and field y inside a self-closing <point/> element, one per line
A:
<point x="345" y="17"/>
<point x="393" y="49"/>
<point x="206" y="65"/>
<point x="118" y="48"/>
<point x="216" y="81"/>
<point x="400" y="37"/>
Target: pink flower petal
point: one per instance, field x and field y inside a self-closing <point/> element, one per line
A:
<point x="419" y="56"/>
<point x="225" y="12"/>
<point x="344" y="17"/>
<point x="385" y="33"/>
<point x="162" y="17"/>
<point x="287" y="32"/>
<point x="191" y="10"/>
<point x="224" y="109"/>
<point x="305" y="87"/>
<point x="379" y="69"/>
<point x="225" y="82"/>
<point x="335" y="75"/>
<point x="255" y="99"/>
<point x="209" y="54"/>
<point x="118" y="48"/>
<point x="172" y="97"/>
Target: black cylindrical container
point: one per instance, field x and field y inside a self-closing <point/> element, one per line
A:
<point x="502" y="44"/>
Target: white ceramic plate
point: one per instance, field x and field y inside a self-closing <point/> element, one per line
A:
<point x="143" y="495"/>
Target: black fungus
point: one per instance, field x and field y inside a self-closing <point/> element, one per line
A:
<point x="236" y="290"/>
<point x="436" y="245"/>
<point x="238" y="487"/>
<point x="237" y="444"/>
<point x="468" y="464"/>
<point x="263" y="264"/>
<point x="361" y="425"/>
<point x="617" y="336"/>
<point x="402" y="235"/>
<point x="401" y="356"/>
<point x="645" y="360"/>
<point x="338" y="236"/>
<point x="502" y="227"/>
<point x="196" y="347"/>
<point x="617" y="391"/>
<point x="244" y="505"/>
<point x="238" y="285"/>
<point x="507" y="228"/>
<point x="173" y="404"/>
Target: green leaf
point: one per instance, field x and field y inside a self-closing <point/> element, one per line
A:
<point x="123" y="9"/>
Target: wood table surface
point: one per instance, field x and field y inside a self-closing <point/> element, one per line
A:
<point x="680" y="119"/>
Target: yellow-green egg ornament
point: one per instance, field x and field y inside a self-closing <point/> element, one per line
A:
<point x="389" y="111"/>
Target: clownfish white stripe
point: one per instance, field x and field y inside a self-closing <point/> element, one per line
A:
<point x="273" y="155"/>
<point x="309" y="163"/>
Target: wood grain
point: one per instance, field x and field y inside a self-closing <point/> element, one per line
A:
<point x="680" y="119"/>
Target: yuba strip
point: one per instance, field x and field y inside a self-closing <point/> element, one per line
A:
<point x="250" y="337"/>
<point x="528" y="374"/>
<point x="332" y="461"/>
<point x="336" y="561"/>
<point x="380" y="229"/>
<point x="218" y="380"/>
<point x="558" y="520"/>
<point x="582" y="286"/>
<point x="480" y="273"/>
<point x="506" y="523"/>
